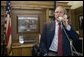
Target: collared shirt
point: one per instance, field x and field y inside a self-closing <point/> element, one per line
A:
<point x="54" y="44"/>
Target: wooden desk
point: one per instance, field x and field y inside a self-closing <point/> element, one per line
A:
<point x="22" y="50"/>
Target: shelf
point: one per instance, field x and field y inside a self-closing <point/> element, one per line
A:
<point x="3" y="14"/>
<point x="17" y="45"/>
<point x="51" y="16"/>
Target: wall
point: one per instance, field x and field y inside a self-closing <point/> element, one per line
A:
<point x="75" y="14"/>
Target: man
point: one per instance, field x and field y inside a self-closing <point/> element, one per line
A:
<point x="49" y="41"/>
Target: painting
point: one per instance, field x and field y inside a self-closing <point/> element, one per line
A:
<point x="28" y="23"/>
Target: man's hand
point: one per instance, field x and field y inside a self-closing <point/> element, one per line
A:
<point x="65" y="22"/>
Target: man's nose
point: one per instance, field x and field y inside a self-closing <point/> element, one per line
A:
<point x="58" y="14"/>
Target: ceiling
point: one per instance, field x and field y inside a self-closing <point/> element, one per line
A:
<point x="75" y="4"/>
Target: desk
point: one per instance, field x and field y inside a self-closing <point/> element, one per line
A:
<point x="22" y="50"/>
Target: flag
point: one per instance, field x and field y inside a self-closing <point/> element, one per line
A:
<point x="8" y="28"/>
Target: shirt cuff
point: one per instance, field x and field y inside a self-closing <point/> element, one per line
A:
<point x="68" y="27"/>
<point x="45" y="54"/>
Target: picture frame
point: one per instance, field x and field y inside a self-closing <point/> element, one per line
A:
<point x="51" y="12"/>
<point x="28" y="23"/>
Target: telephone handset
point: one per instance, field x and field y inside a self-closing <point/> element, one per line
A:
<point x="61" y="18"/>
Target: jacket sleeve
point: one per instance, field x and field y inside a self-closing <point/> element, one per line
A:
<point x="42" y="45"/>
<point x="75" y="38"/>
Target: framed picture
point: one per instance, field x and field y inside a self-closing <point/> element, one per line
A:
<point x="28" y="23"/>
<point x="51" y="12"/>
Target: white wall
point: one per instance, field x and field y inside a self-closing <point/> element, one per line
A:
<point x="75" y="4"/>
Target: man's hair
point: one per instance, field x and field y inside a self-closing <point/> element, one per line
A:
<point x="65" y="12"/>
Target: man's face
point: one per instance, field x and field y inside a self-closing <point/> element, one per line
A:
<point x="59" y="12"/>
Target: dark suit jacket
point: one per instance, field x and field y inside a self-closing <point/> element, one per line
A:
<point x="48" y="35"/>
